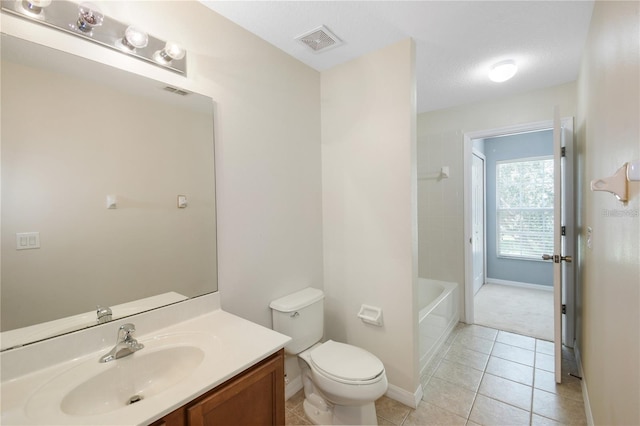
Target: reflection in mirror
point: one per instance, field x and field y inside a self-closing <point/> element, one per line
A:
<point x="94" y="160"/>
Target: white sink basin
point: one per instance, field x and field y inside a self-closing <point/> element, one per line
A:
<point x="93" y="388"/>
<point x="132" y="379"/>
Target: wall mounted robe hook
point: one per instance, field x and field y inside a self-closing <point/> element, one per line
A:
<point x="616" y="184"/>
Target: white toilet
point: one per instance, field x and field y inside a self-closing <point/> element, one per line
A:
<point x="341" y="382"/>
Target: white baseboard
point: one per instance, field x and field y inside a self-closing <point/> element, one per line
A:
<point x="293" y="387"/>
<point x="519" y="284"/>
<point x="585" y="392"/>
<point x="394" y="392"/>
<point x="407" y="398"/>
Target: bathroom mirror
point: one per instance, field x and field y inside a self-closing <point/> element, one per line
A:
<point x="108" y="193"/>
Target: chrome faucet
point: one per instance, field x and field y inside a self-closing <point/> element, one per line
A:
<point x="125" y="345"/>
<point x="104" y="314"/>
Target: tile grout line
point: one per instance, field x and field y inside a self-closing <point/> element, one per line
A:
<point x="530" y="411"/>
<point x="484" y="372"/>
<point x="533" y="380"/>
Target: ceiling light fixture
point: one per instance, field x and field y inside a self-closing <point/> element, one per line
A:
<point x="503" y="71"/>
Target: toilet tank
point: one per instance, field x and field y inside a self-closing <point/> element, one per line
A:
<point x="300" y="316"/>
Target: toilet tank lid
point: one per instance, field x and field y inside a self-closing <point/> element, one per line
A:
<point x="297" y="300"/>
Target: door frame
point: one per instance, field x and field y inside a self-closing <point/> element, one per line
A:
<point x="482" y="156"/>
<point x="566" y="123"/>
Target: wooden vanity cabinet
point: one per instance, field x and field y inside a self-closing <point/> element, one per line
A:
<point x="253" y="397"/>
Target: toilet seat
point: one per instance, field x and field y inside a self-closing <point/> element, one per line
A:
<point x="346" y="363"/>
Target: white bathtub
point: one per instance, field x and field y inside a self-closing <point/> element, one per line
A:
<point x="438" y="315"/>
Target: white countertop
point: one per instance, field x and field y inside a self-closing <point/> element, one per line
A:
<point x="232" y="345"/>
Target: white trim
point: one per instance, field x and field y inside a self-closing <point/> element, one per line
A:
<point x="293" y="387"/>
<point x="557" y="244"/>
<point x="520" y="284"/>
<point x="394" y="392"/>
<point x="405" y="397"/>
<point x="467" y="313"/>
<point x="585" y="392"/>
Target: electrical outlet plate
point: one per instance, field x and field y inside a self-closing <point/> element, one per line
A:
<point x="27" y="240"/>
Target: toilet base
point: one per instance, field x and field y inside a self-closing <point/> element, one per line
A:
<point x="320" y="413"/>
<point x="355" y="414"/>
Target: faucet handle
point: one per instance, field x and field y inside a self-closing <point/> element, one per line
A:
<point x="125" y="331"/>
<point x="125" y="334"/>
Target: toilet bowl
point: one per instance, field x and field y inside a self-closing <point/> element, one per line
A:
<point x="341" y="382"/>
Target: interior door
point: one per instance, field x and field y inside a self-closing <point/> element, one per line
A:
<point x="557" y="257"/>
<point x="478" y="208"/>
<point x="568" y="235"/>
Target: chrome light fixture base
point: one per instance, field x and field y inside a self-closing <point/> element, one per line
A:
<point x="68" y="17"/>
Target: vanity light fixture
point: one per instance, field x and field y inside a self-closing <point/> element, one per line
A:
<point x="35" y="6"/>
<point x="503" y="71"/>
<point x="85" y="20"/>
<point x="172" y="51"/>
<point x="134" y="38"/>
<point x="89" y="17"/>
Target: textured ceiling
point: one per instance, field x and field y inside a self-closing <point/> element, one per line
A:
<point x="456" y="41"/>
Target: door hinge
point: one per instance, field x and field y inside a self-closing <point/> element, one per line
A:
<point x="563" y="230"/>
<point x="564" y="309"/>
<point x="563" y="151"/>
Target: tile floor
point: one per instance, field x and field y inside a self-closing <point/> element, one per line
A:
<point x="482" y="376"/>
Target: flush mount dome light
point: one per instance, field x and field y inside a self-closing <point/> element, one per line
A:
<point x="503" y="71"/>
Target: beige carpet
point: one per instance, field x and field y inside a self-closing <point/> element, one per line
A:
<point x="516" y="309"/>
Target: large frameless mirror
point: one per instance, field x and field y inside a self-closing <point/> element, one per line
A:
<point x="108" y="193"/>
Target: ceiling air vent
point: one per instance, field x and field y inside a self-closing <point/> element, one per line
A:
<point x="320" y="39"/>
<point x="176" y="91"/>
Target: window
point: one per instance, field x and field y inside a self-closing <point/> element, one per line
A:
<point x="524" y="194"/>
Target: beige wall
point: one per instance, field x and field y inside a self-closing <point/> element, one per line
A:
<point x="440" y="143"/>
<point x="608" y="135"/>
<point x="368" y="175"/>
<point x="267" y="141"/>
<point x="91" y="139"/>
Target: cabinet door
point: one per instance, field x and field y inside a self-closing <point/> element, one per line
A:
<point x="175" y="418"/>
<point x="255" y="397"/>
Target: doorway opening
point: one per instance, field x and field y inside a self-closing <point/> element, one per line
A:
<point x="508" y="226"/>
<point x="512" y="211"/>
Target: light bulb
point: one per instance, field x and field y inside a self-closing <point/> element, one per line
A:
<point x="35" y="6"/>
<point x="174" y="51"/>
<point x="135" y="38"/>
<point x="170" y="52"/>
<point x="89" y="17"/>
<point x="503" y="71"/>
